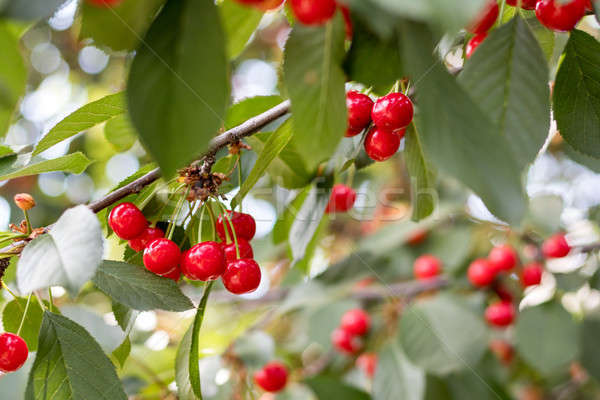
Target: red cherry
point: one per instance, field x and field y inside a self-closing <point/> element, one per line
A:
<point x="556" y="246"/>
<point x="525" y="4"/>
<point x="244" y="225"/>
<point x="269" y="5"/>
<point x="532" y="274"/>
<point x="341" y="200"/>
<point x="174" y="275"/>
<point x="272" y="377"/>
<point x="313" y="12"/>
<point x="560" y="17"/>
<point x="503" y="293"/>
<point x="500" y="314"/>
<point x="149" y="234"/>
<point x="381" y="145"/>
<point x="127" y="221"/>
<point x="481" y="273"/>
<point x="231" y="253"/>
<point x="104" y="3"/>
<point x="348" y="22"/>
<point x="503" y="258"/>
<point x="203" y="262"/>
<point x="161" y="256"/>
<point x="426" y="267"/>
<point x="345" y="342"/>
<point x="474" y="43"/>
<point x="356" y="322"/>
<point x="242" y="276"/>
<point x="13" y="352"/>
<point x="486" y="18"/>
<point x="416" y="237"/>
<point x="359" y="112"/>
<point x="392" y="112"/>
<point x="367" y="362"/>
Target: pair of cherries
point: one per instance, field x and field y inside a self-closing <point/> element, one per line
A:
<point x="354" y="324"/>
<point x="272" y="377"/>
<point x="391" y="114"/>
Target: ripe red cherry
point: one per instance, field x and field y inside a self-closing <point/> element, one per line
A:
<point x="560" y="17"/>
<point x="416" y="237"/>
<point x="104" y="3"/>
<point x="341" y="200"/>
<point x="356" y="322"/>
<point x="359" y="112"/>
<point x="392" y="112"/>
<point x="367" y="362"/>
<point x="313" y="12"/>
<point x="272" y="377"/>
<point x="503" y="258"/>
<point x="346" y="342"/>
<point x="13" y="352"/>
<point x="244" y="225"/>
<point x="149" y="234"/>
<point x="174" y="275"/>
<point x="203" y="262"/>
<point x="486" y="18"/>
<point x="241" y="276"/>
<point x="556" y="246"/>
<point x="426" y="267"/>
<point x="127" y="221"/>
<point x="525" y="4"/>
<point x="532" y="274"/>
<point x="348" y="22"/>
<point x="231" y="253"/>
<point x="381" y="145"/>
<point x="500" y="314"/>
<point x="161" y="256"/>
<point x="474" y="43"/>
<point x="481" y="273"/>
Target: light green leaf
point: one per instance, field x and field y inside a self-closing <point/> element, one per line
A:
<point x="395" y="376"/>
<point x="118" y="27"/>
<point x="182" y="367"/>
<point x="315" y="80"/>
<point x="274" y="145"/>
<point x="178" y="84"/>
<point x="67" y="255"/>
<point x="576" y="96"/>
<point x="422" y="176"/>
<point x="508" y="78"/>
<point x="13" y="314"/>
<point x="194" y="366"/>
<point x="139" y="289"/>
<point x="70" y="364"/>
<point x="13" y="75"/>
<point x="121" y="353"/>
<point x="239" y="23"/>
<point x="16" y="166"/>
<point x="120" y="132"/>
<point x="252" y="106"/>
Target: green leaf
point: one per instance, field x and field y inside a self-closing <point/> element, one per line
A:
<point x="331" y="388"/>
<point x="274" y="145"/>
<point x="590" y="346"/>
<point x="120" y="132"/>
<point x="239" y="23"/>
<point x="457" y="136"/>
<point x="396" y="378"/>
<point x="139" y="289"/>
<point x="67" y="255"/>
<point x="13" y="314"/>
<point x="16" y="166"/>
<point x="194" y="366"/>
<point x="178" y="84"/>
<point x="182" y="367"/>
<point x="121" y="353"/>
<point x="84" y="118"/>
<point x="245" y="109"/>
<point x="432" y="334"/>
<point x="315" y="80"/>
<point x="422" y="176"/>
<point x="582" y="159"/>
<point x="124" y="315"/>
<point x="30" y="9"/>
<point x="576" y="97"/>
<point x="118" y="27"/>
<point x="508" y="78"/>
<point x="13" y="75"/>
<point x="557" y="346"/>
<point x="70" y="364"/>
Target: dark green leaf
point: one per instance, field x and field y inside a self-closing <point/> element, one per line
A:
<point x="13" y="74"/>
<point x="13" y="314"/>
<point x="124" y="315"/>
<point x="576" y="95"/>
<point x="84" y="118"/>
<point x="432" y="334"/>
<point x="557" y="346"/>
<point x="138" y="288"/>
<point x="396" y="378"/>
<point x="120" y="133"/>
<point x="332" y="388"/>
<point x="315" y="80"/>
<point x="118" y="27"/>
<point x="178" y="84"/>
<point x="508" y="78"/>
<point x="70" y="364"/>
<point x="590" y="346"/>
<point x="422" y="176"/>
<point x="239" y="23"/>
<point x="580" y="158"/>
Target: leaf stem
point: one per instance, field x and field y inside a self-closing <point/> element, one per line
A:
<point x="8" y="290"/>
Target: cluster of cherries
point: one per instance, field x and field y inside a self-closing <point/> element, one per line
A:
<point x="347" y="339"/>
<point x="557" y="15"/>
<point x="232" y="259"/>
<point x="390" y="114"/>
<point x="483" y="272"/>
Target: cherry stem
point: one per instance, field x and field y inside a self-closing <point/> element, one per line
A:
<point x="9" y="291"/>
<point x="228" y="218"/>
<point x="173" y="222"/>
<point x="213" y="220"/>
<point x="24" y="314"/>
<point x="28" y="222"/>
<point x="240" y="175"/>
